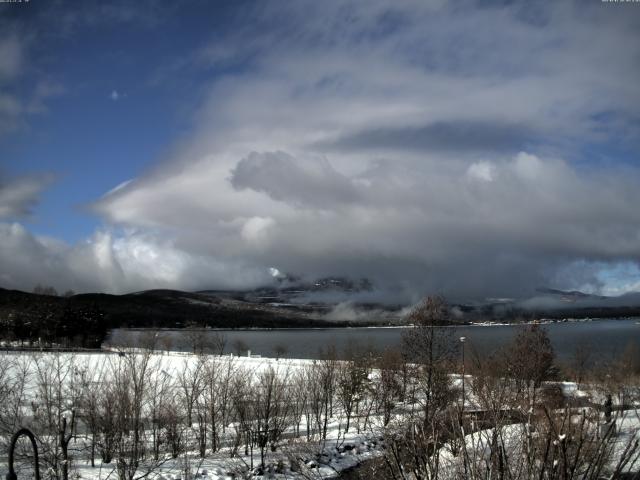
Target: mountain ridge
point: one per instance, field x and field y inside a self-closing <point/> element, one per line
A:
<point x="85" y="318"/>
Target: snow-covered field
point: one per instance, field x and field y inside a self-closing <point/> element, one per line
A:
<point x="301" y="452"/>
<point x="297" y="456"/>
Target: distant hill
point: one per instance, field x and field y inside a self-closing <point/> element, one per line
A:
<point x="85" y="319"/>
<point x="568" y="296"/>
<point x="554" y="304"/>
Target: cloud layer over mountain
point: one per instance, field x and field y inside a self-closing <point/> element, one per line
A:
<point x="429" y="146"/>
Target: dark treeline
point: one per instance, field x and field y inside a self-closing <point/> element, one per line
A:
<point x="515" y="314"/>
<point x="84" y="320"/>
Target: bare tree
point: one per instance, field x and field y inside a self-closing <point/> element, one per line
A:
<point x="190" y="381"/>
<point x="299" y="399"/>
<point x="321" y="381"/>
<point x="215" y="342"/>
<point x="161" y="391"/>
<point x="14" y="378"/>
<point x="218" y="375"/>
<point x="243" y="411"/>
<point x="388" y="383"/>
<point x="279" y="351"/>
<point x="580" y="360"/>
<point x="432" y="349"/>
<point x="107" y="422"/>
<point x="57" y="398"/>
<point x="91" y="380"/>
<point x="172" y="426"/>
<point x="529" y="360"/>
<point x="272" y="409"/>
<point x="199" y="340"/>
<point x="240" y="346"/>
<point x="352" y="381"/>
<point x="165" y="341"/>
<point x="550" y="443"/>
<point x="148" y="340"/>
<point x="129" y="377"/>
<point x="202" y="415"/>
<point x="45" y="290"/>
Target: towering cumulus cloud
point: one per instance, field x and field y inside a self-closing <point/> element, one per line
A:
<point x="442" y="147"/>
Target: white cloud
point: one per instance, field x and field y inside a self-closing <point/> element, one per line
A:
<point x="43" y="91"/>
<point x="481" y="171"/>
<point x="528" y="166"/>
<point x="256" y="229"/>
<point x="11" y="57"/>
<point x="116" y="263"/>
<point x="423" y="225"/>
<point x="349" y="150"/>
<point x="20" y="94"/>
<point x="347" y="141"/>
<point x="11" y="66"/>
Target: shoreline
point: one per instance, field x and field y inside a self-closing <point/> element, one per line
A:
<point x="375" y="327"/>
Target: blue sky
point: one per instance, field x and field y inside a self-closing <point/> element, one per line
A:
<point x="473" y="149"/>
<point x="112" y="114"/>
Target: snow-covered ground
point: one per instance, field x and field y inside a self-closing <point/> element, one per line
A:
<point x="296" y="456"/>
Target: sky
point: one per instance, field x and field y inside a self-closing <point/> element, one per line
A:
<point x="468" y="148"/>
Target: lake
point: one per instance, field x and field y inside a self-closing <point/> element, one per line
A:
<point x="605" y="338"/>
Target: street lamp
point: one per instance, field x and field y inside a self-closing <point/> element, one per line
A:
<point x="462" y="341"/>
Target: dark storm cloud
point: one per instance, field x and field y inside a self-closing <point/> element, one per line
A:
<point x="449" y="137"/>
<point x="311" y="183"/>
<point x="420" y="111"/>
<point x="19" y="195"/>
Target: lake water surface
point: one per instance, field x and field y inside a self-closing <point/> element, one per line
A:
<point x="604" y="338"/>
